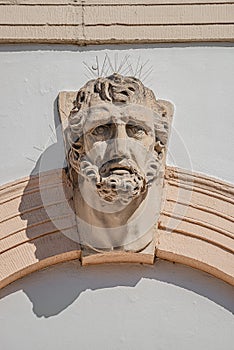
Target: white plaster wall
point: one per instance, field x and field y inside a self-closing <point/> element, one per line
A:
<point x="198" y="79"/>
<point x="166" y="306"/>
<point x="117" y="307"/>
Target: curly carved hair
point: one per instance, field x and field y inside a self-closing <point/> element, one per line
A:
<point x="115" y="89"/>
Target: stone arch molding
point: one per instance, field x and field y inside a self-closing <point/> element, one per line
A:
<point x="195" y="227"/>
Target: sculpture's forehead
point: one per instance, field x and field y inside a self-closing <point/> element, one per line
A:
<point x="121" y="113"/>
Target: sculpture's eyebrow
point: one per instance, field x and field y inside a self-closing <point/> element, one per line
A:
<point x="139" y="117"/>
<point x="135" y="119"/>
<point x="100" y="115"/>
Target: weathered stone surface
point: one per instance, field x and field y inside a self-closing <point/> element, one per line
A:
<point x="116" y="134"/>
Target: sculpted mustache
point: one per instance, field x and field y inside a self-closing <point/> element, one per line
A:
<point x="88" y="170"/>
<point x="118" y="163"/>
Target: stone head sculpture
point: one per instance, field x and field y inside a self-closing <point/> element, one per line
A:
<point x="116" y="139"/>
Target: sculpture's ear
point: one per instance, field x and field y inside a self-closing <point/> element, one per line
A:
<point x="169" y="109"/>
<point x="65" y="105"/>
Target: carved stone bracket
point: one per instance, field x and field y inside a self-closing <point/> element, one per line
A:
<point x="115" y="135"/>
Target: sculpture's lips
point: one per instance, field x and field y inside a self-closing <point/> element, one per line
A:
<point x="117" y="167"/>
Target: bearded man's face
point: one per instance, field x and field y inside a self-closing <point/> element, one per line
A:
<point x="118" y="151"/>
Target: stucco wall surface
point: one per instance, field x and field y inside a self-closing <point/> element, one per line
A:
<point x="198" y="79"/>
<point x="166" y="306"/>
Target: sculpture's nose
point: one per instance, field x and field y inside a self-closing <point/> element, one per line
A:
<point x="121" y="131"/>
<point x="121" y="139"/>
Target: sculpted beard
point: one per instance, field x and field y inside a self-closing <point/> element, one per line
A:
<point x="120" y="179"/>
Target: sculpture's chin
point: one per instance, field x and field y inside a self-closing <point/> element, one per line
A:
<point x="122" y="188"/>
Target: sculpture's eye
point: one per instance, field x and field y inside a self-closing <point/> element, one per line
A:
<point x="102" y="130"/>
<point x="137" y="131"/>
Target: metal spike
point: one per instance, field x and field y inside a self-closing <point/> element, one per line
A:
<point x="89" y="70"/>
<point x="122" y="63"/>
<point x="130" y="65"/>
<point x="148" y="73"/>
<point x="116" y="58"/>
<point x="52" y="140"/>
<point x="127" y="71"/>
<point x="97" y="66"/>
<point x="139" y="76"/>
<point x="87" y="76"/>
<point x="103" y="66"/>
<point x="38" y="148"/>
<point x="138" y="61"/>
<point x="127" y="68"/>
<point x="115" y="62"/>
<point x="32" y="160"/>
<point x="124" y="70"/>
<point x="110" y="63"/>
<point x="138" y="70"/>
<point x="52" y="130"/>
<point x="90" y="76"/>
<point x="142" y="66"/>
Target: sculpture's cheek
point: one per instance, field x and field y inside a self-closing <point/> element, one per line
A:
<point x="148" y="142"/>
<point x="96" y="151"/>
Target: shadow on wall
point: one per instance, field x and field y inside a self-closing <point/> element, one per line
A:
<point x="47" y="212"/>
<point x="52" y="290"/>
<point x="42" y="204"/>
<point x="52" y="295"/>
